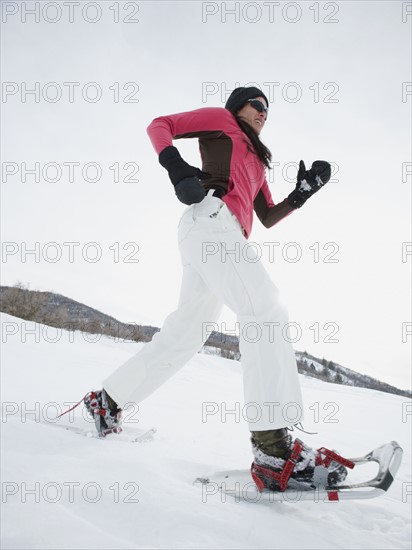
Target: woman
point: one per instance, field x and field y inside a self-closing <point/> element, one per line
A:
<point x="212" y="231"/>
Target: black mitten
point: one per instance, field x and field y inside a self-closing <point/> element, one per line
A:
<point x="185" y="178"/>
<point x="190" y="190"/>
<point x="309" y="182"/>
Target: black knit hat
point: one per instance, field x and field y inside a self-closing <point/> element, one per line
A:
<point x="239" y="97"/>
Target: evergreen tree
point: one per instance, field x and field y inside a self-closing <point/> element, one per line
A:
<point x="325" y="372"/>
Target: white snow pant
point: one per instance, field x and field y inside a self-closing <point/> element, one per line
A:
<point x="219" y="267"/>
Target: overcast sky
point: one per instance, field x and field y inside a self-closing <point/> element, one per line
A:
<point x="338" y="78"/>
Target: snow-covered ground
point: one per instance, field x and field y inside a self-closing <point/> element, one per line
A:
<point x="62" y="490"/>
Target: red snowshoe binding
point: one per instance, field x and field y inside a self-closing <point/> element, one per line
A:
<point x="292" y="461"/>
<point x="105" y="412"/>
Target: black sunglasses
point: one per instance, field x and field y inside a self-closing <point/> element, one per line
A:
<point x="259" y="106"/>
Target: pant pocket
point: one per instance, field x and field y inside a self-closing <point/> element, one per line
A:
<point x="185" y="225"/>
<point x="228" y="221"/>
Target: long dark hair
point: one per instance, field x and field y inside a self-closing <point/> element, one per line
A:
<point x="259" y="148"/>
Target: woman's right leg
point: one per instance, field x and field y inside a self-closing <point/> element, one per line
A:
<point x="182" y="335"/>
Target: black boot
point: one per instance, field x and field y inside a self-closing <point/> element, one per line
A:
<point x="106" y="413"/>
<point x="273" y="448"/>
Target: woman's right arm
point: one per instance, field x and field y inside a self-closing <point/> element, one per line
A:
<point x="164" y="129"/>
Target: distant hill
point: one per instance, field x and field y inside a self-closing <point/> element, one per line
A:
<point x="58" y="311"/>
<point x="337" y="374"/>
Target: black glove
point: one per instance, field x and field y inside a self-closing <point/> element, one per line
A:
<point x="309" y="182"/>
<point x="185" y="178"/>
<point x="190" y="190"/>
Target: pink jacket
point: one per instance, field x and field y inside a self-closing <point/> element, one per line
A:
<point x="228" y="155"/>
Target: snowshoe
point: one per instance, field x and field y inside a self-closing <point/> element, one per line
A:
<point x="294" y="460"/>
<point x="105" y="412"/>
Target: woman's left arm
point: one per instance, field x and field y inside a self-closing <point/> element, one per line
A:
<point x="308" y="183"/>
<point x="266" y="210"/>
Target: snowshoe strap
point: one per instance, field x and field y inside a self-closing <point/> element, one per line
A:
<point x="77" y="404"/>
<point x="282" y="477"/>
<point x="117" y="430"/>
<point x="331" y="456"/>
